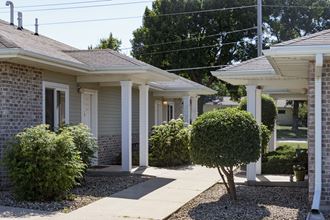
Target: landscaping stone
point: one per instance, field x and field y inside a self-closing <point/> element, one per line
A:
<point x="253" y="203"/>
<point x="94" y="188"/>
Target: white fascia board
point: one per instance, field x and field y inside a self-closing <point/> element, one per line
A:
<point x="244" y="74"/>
<point x="284" y="51"/>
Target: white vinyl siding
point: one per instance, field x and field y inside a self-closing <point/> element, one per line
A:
<point x="75" y="99"/>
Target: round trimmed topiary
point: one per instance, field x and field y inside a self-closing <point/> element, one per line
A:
<point x="43" y="165"/>
<point x="225" y="139"/>
<point x="268" y="110"/>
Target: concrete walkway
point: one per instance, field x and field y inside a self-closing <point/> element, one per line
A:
<point x="154" y="199"/>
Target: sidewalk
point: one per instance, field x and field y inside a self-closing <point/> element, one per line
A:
<point x="154" y="199"/>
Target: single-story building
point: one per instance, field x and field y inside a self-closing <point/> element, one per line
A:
<point x="284" y="113"/>
<point x="298" y="69"/>
<point x="118" y="97"/>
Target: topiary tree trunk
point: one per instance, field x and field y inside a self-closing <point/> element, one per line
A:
<point x="229" y="180"/>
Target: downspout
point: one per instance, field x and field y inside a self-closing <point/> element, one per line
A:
<point x="315" y="212"/>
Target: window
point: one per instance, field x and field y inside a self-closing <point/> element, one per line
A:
<point x="170" y="111"/>
<point x="281" y="112"/>
<point x="158" y="112"/>
<point x="56" y="104"/>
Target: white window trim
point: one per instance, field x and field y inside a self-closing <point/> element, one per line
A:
<point x="168" y="104"/>
<point x="158" y="111"/>
<point x="56" y="87"/>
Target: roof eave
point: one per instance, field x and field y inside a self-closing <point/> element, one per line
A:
<point x="297" y="51"/>
<point x="244" y="74"/>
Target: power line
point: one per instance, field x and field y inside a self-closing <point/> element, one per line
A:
<point x="58" y="4"/>
<point x="160" y="15"/>
<point x="190" y="39"/>
<point x="197" y="68"/>
<point x="85" y="6"/>
<point x="190" y="48"/>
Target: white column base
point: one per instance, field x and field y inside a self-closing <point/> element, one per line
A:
<point x="254" y="106"/>
<point x="273" y="140"/>
<point x="144" y="128"/>
<point x="126" y="125"/>
<point x="194" y="108"/>
<point x="186" y="109"/>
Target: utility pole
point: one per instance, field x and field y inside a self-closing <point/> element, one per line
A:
<point x="259" y="28"/>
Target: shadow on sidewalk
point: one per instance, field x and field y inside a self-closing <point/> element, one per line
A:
<point x="142" y="189"/>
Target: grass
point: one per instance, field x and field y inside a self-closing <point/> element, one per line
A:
<point x="293" y="144"/>
<point x="285" y="132"/>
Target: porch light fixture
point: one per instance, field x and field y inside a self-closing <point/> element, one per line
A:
<point x="165" y="102"/>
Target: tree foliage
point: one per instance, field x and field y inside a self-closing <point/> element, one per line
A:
<point x="209" y="31"/>
<point x="170" y="144"/>
<point x="268" y="110"/>
<point x="108" y="43"/>
<point x="225" y="139"/>
<point x="43" y="165"/>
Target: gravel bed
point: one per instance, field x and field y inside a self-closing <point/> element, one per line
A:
<point x="253" y="203"/>
<point x="93" y="189"/>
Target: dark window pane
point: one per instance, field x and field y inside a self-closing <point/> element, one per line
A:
<point x="50" y="108"/>
<point x="61" y="107"/>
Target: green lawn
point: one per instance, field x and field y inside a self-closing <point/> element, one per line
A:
<point x="293" y="145"/>
<point x="286" y="132"/>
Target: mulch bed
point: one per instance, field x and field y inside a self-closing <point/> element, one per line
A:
<point x="93" y="189"/>
<point x="253" y="203"/>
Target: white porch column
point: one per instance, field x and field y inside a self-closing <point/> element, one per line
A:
<point x="186" y="109"/>
<point x="273" y="140"/>
<point x="253" y="106"/>
<point x="126" y="125"/>
<point x="194" y="108"/>
<point x="144" y="128"/>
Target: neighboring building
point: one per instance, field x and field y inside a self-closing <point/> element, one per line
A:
<point x="284" y="116"/>
<point x="221" y="102"/>
<point x="118" y="97"/>
<point x="298" y="69"/>
<point x="284" y="113"/>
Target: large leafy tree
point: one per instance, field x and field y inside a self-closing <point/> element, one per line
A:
<point x="108" y="43"/>
<point x="204" y="39"/>
<point x="195" y="30"/>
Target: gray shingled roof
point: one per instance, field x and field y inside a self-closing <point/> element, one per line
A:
<point x="319" y="38"/>
<point x="259" y="63"/>
<point x="24" y="39"/>
<point x="104" y="58"/>
<point x="10" y="37"/>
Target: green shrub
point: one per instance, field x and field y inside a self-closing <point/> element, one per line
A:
<point x="169" y="144"/>
<point x="268" y="110"/>
<point x="225" y="139"/>
<point x="265" y="137"/>
<point x="43" y="165"/>
<point x="83" y="140"/>
<point x="282" y="160"/>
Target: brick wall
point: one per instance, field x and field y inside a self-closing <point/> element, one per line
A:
<point x="325" y="199"/>
<point x="20" y="102"/>
<point x="110" y="148"/>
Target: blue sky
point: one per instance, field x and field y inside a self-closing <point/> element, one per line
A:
<point x="81" y="35"/>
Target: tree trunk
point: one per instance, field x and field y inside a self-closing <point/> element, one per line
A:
<point x="295" y="118"/>
<point x="231" y="185"/>
<point x="228" y="181"/>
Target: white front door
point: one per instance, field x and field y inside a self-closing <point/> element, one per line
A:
<point x="89" y="112"/>
<point x="87" y="109"/>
